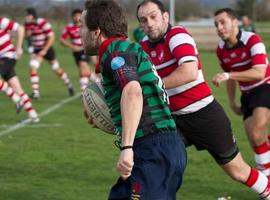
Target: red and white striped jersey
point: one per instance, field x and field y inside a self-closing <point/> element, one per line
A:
<point x="39" y="32"/>
<point x="175" y="48"/>
<point x="247" y="53"/>
<point x="7" y="49"/>
<point x="73" y="32"/>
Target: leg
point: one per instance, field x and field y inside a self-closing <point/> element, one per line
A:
<point x="256" y="127"/>
<point x="240" y="171"/>
<point x="85" y="73"/>
<point x="16" y="86"/>
<point x="62" y="74"/>
<point x="4" y="87"/>
<point x="34" y="64"/>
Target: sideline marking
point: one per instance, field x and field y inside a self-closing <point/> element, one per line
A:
<point x="44" y="113"/>
<point x="36" y="125"/>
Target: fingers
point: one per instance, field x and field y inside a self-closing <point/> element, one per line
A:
<point x="125" y="163"/>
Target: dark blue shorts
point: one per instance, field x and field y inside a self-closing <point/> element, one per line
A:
<point x="159" y="164"/>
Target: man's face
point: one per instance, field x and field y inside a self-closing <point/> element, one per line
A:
<point x="29" y="18"/>
<point x="89" y="38"/>
<point x="76" y="18"/>
<point x="225" y="26"/>
<point x="152" y="21"/>
<point x="245" y="21"/>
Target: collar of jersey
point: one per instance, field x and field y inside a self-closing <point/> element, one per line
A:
<point x="103" y="47"/>
<point x="239" y="42"/>
<point x="161" y="40"/>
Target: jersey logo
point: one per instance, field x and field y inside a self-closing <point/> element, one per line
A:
<point x="117" y="62"/>
<point x="153" y="54"/>
<point x="233" y="55"/>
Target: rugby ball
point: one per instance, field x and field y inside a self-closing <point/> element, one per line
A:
<point x="95" y="105"/>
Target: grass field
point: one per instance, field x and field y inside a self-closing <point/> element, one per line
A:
<point x="63" y="158"/>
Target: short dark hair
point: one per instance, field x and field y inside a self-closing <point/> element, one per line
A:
<point x="229" y="12"/>
<point x="76" y="11"/>
<point x="159" y="4"/>
<point x="106" y="15"/>
<point x="31" y="11"/>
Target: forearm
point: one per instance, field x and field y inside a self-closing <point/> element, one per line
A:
<point x="131" y="110"/>
<point x="19" y="37"/>
<point x="253" y="74"/>
<point x="49" y="42"/>
<point x="66" y="43"/>
<point x="231" y="90"/>
<point x="183" y="74"/>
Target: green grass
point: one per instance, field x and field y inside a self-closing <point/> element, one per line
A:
<point x="72" y="161"/>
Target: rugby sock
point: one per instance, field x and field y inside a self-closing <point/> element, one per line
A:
<point x="35" y="83"/>
<point x="28" y="106"/>
<point x="65" y="78"/>
<point x="259" y="183"/>
<point x="262" y="158"/>
<point x="83" y="82"/>
<point x="9" y="91"/>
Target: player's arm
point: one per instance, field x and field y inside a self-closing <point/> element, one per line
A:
<point x="19" y="40"/>
<point x="184" y="73"/>
<point x="51" y="39"/>
<point x="231" y="91"/>
<point x="131" y="111"/>
<point x="183" y="48"/>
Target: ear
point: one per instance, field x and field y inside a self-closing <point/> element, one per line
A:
<point x="97" y="32"/>
<point x="166" y="17"/>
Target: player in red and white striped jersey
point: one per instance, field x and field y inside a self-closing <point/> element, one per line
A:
<point x="8" y="56"/>
<point x="242" y="56"/>
<point x="200" y="118"/>
<point x="72" y="32"/>
<point x="41" y="36"/>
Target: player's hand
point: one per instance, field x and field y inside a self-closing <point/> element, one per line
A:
<point x="76" y="48"/>
<point x="236" y="109"/>
<point x="19" y="52"/>
<point x="125" y="163"/>
<point x="219" y="78"/>
<point x="42" y="53"/>
<point x="89" y="119"/>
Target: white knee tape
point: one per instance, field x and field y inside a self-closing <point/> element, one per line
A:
<point x="55" y="66"/>
<point x="34" y="63"/>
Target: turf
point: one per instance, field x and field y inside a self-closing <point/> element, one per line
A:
<point x="68" y="160"/>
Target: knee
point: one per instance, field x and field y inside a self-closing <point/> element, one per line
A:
<point x="34" y="64"/>
<point x="55" y="66"/>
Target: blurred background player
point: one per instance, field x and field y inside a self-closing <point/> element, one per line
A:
<point x="72" y="31"/>
<point x="197" y="114"/>
<point x="138" y="34"/>
<point x="243" y="57"/>
<point x="246" y="24"/>
<point x="42" y="38"/>
<point x="8" y="56"/>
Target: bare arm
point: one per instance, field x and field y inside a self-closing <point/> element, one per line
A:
<point x="131" y="110"/>
<point x="184" y="73"/>
<point x="49" y="43"/>
<point x="19" y="40"/>
<point x="231" y="90"/>
<point x="256" y="73"/>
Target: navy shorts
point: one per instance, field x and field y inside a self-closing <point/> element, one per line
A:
<point x="80" y="56"/>
<point x="7" y="68"/>
<point x="258" y="97"/>
<point x="209" y="129"/>
<point x="159" y="164"/>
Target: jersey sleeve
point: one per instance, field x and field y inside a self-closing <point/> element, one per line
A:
<point x="47" y="28"/>
<point x="182" y="45"/>
<point x="8" y="25"/>
<point x="257" y="51"/>
<point x="64" y="34"/>
<point x="123" y="68"/>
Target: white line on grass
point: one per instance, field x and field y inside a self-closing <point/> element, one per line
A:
<point x="44" y="113"/>
<point x="38" y="125"/>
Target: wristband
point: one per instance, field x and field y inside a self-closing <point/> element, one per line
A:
<point x="126" y="147"/>
<point x="227" y="75"/>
